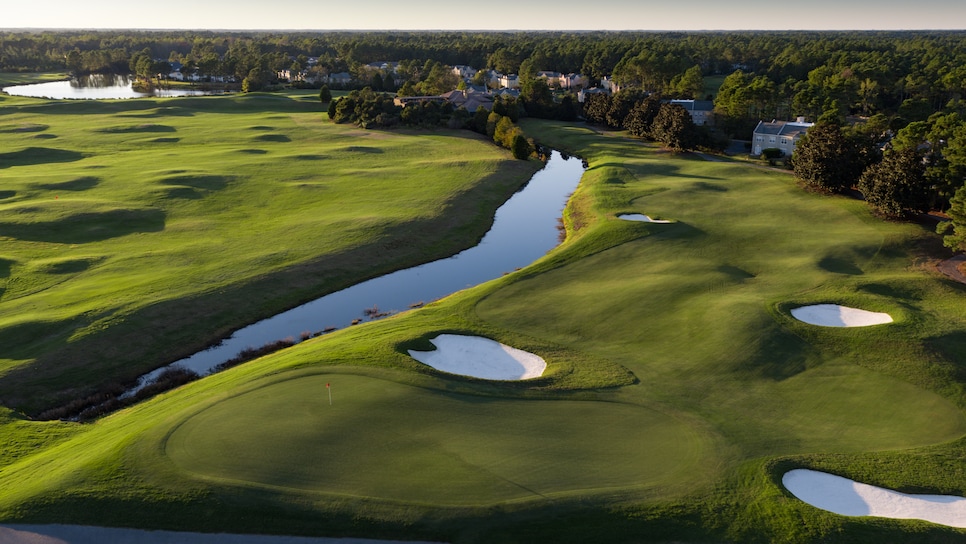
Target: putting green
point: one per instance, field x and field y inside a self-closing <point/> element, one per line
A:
<point x="392" y="441"/>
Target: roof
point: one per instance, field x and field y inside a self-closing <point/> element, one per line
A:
<point x="782" y="128"/>
<point x="695" y="105"/>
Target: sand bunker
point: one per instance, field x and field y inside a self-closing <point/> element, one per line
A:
<point x="833" y="315"/>
<point x="849" y="498"/>
<point x="640" y="217"/>
<point x="480" y="358"/>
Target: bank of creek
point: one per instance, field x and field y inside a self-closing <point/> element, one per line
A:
<point x="524" y="228"/>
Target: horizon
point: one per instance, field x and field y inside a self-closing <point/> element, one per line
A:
<point x="437" y="15"/>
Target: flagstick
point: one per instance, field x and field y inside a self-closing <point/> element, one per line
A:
<point x="329" y="389"/>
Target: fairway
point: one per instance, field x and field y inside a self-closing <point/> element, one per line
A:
<point x="382" y="439"/>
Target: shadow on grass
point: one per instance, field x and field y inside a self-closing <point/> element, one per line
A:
<point x="137" y="129"/>
<point x="272" y="138"/>
<point x="79" y="184"/>
<point x="84" y="227"/>
<point x="7" y="194"/>
<point x="38" y="155"/>
<point x="203" y="182"/>
<point x="23" y="128"/>
<point x="364" y="149"/>
<point x="21" y="339"/>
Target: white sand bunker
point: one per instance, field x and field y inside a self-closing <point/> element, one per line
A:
<point x="848" y="498"/>
<point x="640" y="217"/>
<point x="480" y="358"/>
<point x="833" y="315"/>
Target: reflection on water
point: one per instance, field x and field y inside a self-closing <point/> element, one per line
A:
<point x="96" y="87"/>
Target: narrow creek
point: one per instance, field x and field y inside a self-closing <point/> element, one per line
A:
<point x="524" y="228"/>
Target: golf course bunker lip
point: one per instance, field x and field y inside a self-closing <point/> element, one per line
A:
<point x="641" y="218"/>
<point x="833" y="315"/>
<point x="480" y="357"/>
<point x="849" y="498"/>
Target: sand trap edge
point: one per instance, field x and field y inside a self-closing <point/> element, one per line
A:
<point x="850" y="498"/>
<point x="480" y="357"/>
<point x="834" y="315"/>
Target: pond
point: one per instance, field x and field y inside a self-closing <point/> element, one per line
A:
<point x="524" y="228"/>
<point x="96" y="87"/>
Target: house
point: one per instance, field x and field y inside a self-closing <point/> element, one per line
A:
<point x="463" y="71"/>
<point x="584" y="93"/>
<point x="469" y="100"/>
<point x="609" y="84"/>
<point x="701" y="110"/>
<point x="573" y="81"/>
<point x="509" y="81"/>
<point x="507" y="93"/>
<point x="779" y="135"/>
<point x="553" y="78"/>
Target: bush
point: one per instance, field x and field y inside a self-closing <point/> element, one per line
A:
<point x="771" y="153"/>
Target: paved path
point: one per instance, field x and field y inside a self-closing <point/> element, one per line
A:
<point x="950" y="267"/>
<point x="76" y="534"/>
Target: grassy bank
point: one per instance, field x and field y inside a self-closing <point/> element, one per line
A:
<point x="678" y="390"/>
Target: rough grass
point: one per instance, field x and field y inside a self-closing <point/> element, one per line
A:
<point x="679" y="389"/>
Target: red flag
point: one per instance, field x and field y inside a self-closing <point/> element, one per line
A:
<point x="326" y="386"/>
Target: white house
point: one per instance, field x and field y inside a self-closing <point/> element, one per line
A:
<point x="509" y="81"/>
<point x="779" y="135"/>
<point x="463" y="71"/>
<point x="609" y="84"/>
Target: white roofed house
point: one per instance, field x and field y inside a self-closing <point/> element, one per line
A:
<point x="778" y="135"/>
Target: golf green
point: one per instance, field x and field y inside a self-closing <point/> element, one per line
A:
<point x="383" y="439"/>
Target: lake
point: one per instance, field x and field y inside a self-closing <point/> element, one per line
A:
<point x="96" y="87"/>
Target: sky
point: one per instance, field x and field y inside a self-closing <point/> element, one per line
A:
<point x="488" y="15"/>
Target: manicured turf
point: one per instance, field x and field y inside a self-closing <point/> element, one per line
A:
<point x="383" y="439"/>
<point x="678" y="389"/>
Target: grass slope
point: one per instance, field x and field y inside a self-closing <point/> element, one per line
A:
<point x="678" y="390"/>
<point x="123" y="221"/>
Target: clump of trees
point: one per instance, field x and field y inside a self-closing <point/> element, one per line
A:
<point x="648" y="117"/>
<point x="369" y="109"/>
<point x="921" y="169"/>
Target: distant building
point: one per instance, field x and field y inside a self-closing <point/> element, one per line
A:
<point x="573" y="81"/>
<point x="700" y="110"/>
<point x="510" y="81"/>
<point x="584" y="93"/>
<point x="469" y="100"/>
<point x="464" y="71"/>
<point x="609" y="84"/>
<point x="553" y="78"/>
<point x="779" y="135"/>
